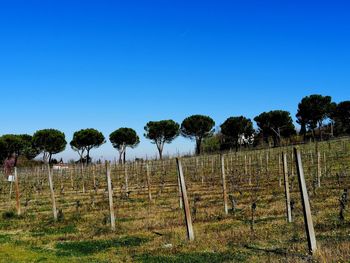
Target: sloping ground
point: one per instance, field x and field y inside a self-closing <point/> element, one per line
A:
<point x="155" y="231"/>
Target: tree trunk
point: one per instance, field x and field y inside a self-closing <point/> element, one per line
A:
<point x="198" y="146"/>
<point x="160" y="150"/>
<point x="122" y="154"/>
<point x="332" y="129"/>
<point x="120" y="158"/>
<point x="275" y="141"/>
<point x="303" y="130"/>
<point x="320" y="129"/>
<point x="88" y="157"/>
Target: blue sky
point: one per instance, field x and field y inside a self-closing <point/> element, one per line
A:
<point x="108" y="64"/>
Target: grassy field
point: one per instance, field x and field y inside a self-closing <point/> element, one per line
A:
<point x="156" y="232"/>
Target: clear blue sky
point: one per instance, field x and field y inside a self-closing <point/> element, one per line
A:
<point x="108" y="64"/>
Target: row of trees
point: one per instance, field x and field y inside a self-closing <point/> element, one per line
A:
<point x="313" y="111"/>
<point x="317" y="115"/>
<point x="51" y="141"/>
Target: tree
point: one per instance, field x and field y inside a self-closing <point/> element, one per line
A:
<point x="19" y="145"/>
<point x="49" y="142"/>
<point x="86" y="140"/>
<point x="197" y="127"/>
<point x="29" y="150"/>
<point x="237" y="128"/>
<point x="275" y="124"/>
<point x="122" y="138"/>
<point x="161" y="132"/>
<point x="341" y="117"/>
<point x="211" y="144"/>
<point x="77" y="147"/>
<point x="13" y="143"/>
<point x="312" y="111"/>
<point x="3" y="151"/>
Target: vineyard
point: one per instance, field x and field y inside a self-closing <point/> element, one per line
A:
<point x="136" y="212"/>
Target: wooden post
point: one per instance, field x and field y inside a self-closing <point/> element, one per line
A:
<point x="310" y="232"/>
<point x="54" y="210"/>
<point x="224" y="184"/>
<point x="136" y="165"/>
<point x="82" y="176"/>
<point x="61" y="181"/>
<point x="250" y="170"/>
<point x="279" y="171"/>
<point x="180" y="192"/>
<point x="110" y="195"/>
<point x="319" y="171"/>
<point x="94" y="177"/>
<point x="212" y="164"/>
<point x="292" y="166"/>
<point x="149" y="183"/>
<point x="260" y="162"/>
<point x="71" y="177"/>
<point x="18" y="203"/>
<point x="196" y="169"/>
<point x="286" y="188"/>
<point x="126" y="180"/>
<point x="188" y="218"/>
<point x="202" y="171"/>
<point x="324" y="163"/>
<point x="37" y="172"/>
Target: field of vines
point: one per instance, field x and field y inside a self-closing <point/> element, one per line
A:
<point x="148" y="210"/>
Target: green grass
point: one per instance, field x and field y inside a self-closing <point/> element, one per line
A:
<point x="51" y="230"/>
<point x="5" y="238"/>
<point x="195" y="257"/>
<point x="84" y="248"/>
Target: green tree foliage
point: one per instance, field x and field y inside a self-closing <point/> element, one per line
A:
<point x="275" y="124"/>
<point x="312" y="111"/>
<point x="13" y="143"/>
<point x="122" y="138"/>
<point x="3" y="150"/>
<point x="49" y="142"/>
<point x="85" y="140"/>
<point x="77" y="146"/>
<point x="197" y="127"/>
<point x="29" y="149"/>
<point x="341" y="117"/>
<point x="161" y="132"/>
<point x="236" y="128"/>
<point x="20" y="145"/>
<point x="211" y="144"/>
